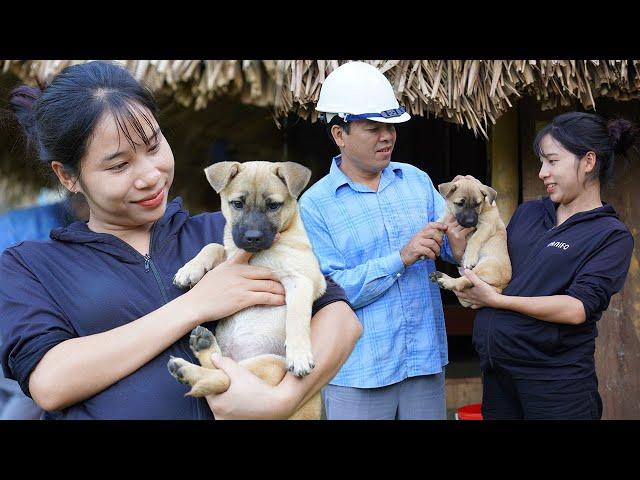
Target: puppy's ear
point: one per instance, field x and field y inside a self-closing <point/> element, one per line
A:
<point x="489" y="193"/>
<point x="220" y="174"/>
<point x="447" y="189"/>
<point x="294" y="176"/>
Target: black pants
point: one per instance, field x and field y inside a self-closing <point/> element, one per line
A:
<point x="508" y="398"/>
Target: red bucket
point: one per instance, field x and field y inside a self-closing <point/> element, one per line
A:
<point x="470" y="412"/>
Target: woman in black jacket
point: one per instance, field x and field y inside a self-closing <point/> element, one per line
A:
<point x="90" y="318"/>
<point x="570" y="253"/>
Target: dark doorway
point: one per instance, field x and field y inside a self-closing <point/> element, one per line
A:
<point x="442" y="149"/>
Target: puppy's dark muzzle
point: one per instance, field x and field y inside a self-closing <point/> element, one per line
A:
<point x="467" y="220"/>
<point x="254" y="232"/>
<point x="253" y="241"/>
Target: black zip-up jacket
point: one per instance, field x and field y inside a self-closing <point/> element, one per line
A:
<point x="81" y="283"/>
<point x="586" y="257"/>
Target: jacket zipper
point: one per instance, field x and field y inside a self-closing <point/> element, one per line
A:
<point x="149" y="265"/>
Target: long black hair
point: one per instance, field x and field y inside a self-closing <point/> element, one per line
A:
<point x="59" y="120"/>
<point x="580" y="132"/>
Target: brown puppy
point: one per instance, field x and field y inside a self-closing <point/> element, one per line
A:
<point x="473" y="205"/>
<point x="258" y="201"/>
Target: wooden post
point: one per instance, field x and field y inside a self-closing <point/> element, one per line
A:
<point x="532" y="119"/>
<point x="503" y="163"/>
<point x="618" y="342"/>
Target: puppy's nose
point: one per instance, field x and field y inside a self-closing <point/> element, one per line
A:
<point x="253" y="237"/>
<point x="467" y="220"/>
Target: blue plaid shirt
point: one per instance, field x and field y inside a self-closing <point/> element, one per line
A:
<point x="357" y="235"/>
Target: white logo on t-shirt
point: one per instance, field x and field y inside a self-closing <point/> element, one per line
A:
<point x="561" y="245"/>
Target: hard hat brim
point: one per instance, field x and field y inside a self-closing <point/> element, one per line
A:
<point x="402" y="118"/>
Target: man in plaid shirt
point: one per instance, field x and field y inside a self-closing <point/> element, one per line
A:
<point x="372" y="225"/>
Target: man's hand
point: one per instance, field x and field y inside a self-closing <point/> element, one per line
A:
<point x="425" y="243"/>
<point x="458" y="236"/>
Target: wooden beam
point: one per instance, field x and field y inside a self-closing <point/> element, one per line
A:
<point x="531" y="121"/>
<point x="503" y="163"/>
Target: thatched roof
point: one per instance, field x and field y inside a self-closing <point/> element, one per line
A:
<point x="470" y="92"/>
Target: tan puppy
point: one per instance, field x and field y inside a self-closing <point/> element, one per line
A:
<point x="258" y="201"/>
<point x="473" y="205"/>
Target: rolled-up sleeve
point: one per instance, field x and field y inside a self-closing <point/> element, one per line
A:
<point x="602" y="274"/>
<point x="31" y="323"/>
<point x="334" y="293"/>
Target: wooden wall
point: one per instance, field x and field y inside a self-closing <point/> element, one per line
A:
<point x="618" y="343"/>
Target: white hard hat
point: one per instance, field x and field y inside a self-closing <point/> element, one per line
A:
<point x="356" y="91"/>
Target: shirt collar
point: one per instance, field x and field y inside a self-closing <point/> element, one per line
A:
<point x="338" y="178"/>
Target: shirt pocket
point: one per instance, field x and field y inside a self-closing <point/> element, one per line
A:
<point x="413" y="214"/>
<point x="362" y="234"/>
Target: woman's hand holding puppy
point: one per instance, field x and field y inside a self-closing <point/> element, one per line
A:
<point x="232" y="286"/>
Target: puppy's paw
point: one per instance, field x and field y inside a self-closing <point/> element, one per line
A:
<point x="300" y="361"/>
<point x="177" y="370"/>
<point x="439" y="278"/>
<point x="434" y="276"/>
<point x="201" y="339"/>
<point x="189" y="275"/>
<point x="470" y="260"/>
